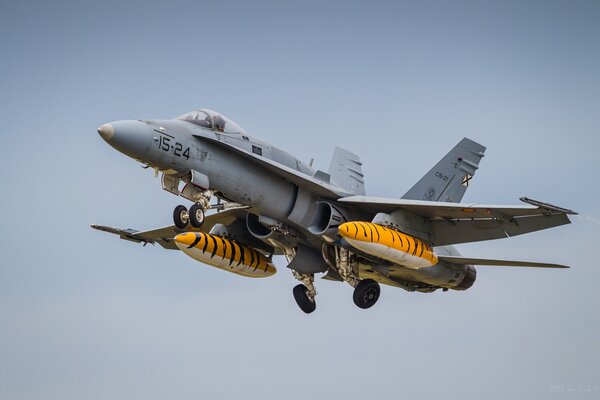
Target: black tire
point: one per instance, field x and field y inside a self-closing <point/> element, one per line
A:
<point x="366" y="293"/>
<point x="302" y="299"/>
<point x="180" y="217"/>
<point x="196" y="216"/>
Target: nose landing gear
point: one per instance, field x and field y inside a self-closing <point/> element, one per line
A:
<point x="195" y="216"/>
<point x="181" y="217"/>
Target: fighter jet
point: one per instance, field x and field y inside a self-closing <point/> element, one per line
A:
<point x="269" y="203"/>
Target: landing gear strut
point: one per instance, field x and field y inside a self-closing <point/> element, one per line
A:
<point x="366" y="291"/>
<point x="346" y="264"/>
<point x="305" y="293"/>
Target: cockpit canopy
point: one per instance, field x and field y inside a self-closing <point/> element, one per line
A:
<point x="212" y="120"/>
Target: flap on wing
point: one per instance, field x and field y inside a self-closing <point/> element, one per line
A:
<point x="454" y="223"/>
<point x="164" y="236"/>
<point x="446" y="232"/>
<point x="500" y="263"/>
<point x="314" y="185"/>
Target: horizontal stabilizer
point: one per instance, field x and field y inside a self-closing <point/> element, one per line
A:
<point x="499" y="263"/>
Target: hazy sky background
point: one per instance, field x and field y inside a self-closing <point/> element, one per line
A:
<point x="84" y="315"/>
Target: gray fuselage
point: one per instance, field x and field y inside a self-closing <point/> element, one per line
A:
<point x="177" y="147"/>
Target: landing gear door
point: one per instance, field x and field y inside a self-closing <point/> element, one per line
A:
<point x="170" y="183"/>
<point x="199" y="180"/>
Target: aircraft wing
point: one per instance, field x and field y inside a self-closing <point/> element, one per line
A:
<point x="314" y="185"/>
<point x="164" y="236"/>
<point x="454" y="223"/>
<point x="500" y="263"/>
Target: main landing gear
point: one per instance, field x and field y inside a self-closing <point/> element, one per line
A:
<point x="305" y="293"/>
<point x="366" y="294"/>
<point x="366" y="291"/>
<point x="304" y="302"/>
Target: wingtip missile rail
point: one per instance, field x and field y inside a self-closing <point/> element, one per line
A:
<point x="388" y="244"/>
<point x="225" y="254"/>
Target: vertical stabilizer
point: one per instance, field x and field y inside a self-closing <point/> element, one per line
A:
<point x="345" y="171"/>
<point x="451" y="177"/>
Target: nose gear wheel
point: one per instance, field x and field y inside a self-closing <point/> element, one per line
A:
<point x="181" y="217"/>
<point x="196" y="215"/>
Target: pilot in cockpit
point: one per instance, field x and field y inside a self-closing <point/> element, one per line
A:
<point x="219" y="123"/>
<point x="205" y="122"/>
<point x="212" y="120"/>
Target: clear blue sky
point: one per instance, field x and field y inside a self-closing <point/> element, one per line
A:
<point x="85" y="315"/>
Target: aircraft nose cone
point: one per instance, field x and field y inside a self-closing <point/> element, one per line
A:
<point x="106" y="131"/>
<point x="131" y="137"/>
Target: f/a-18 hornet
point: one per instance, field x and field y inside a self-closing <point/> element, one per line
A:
<point x="268" y="202"/>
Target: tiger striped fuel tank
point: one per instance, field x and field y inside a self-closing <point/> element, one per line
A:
<point x="388" y="244"/>
<point x="225" y="254"/>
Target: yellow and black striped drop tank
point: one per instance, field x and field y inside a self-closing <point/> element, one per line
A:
<point x="225" y="254"/>
<point x="388" y="244"/>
